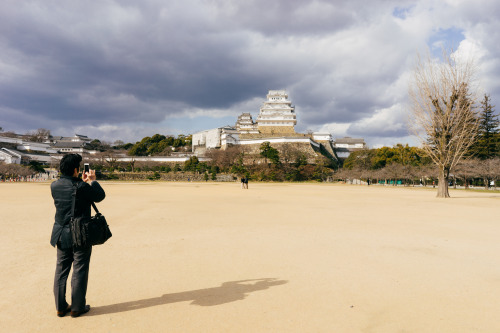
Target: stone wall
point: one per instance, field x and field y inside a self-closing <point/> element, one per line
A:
<point x="276" y="130"/>
<point x="283" y="148"/>
<point x="268" y="135"/>
<point x="330" y="150"/>
<point x="170" y="176"/>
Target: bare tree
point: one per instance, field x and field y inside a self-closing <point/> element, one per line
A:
<point x="379" y="175"/>
<point x="9" y="134"/>
<point x="224" y="159"/>
<point x="394" y="171"/>
<point x="342" y="174"/>
<point x="443" y="111"/>
<point x="495" y="167"/>
<point x="14" y="171"/>
<point x="39" y="135"/>
<point x="466" y="170"/>
<point x="488" y="171"/>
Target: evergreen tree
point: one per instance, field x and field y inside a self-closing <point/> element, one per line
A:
<point x="269" y="153"/>
<point x="487" y="142"/>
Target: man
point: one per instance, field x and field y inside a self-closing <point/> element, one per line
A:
<point x="88" y="191"/>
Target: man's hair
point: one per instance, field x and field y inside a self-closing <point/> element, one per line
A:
<point x="68" y="164"/>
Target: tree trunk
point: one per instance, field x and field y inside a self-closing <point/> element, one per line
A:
<point x="443" y="178"/>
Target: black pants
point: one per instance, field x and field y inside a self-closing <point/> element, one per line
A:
<point x="81" y="262"/>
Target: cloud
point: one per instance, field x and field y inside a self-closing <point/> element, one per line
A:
<point x="178" y="66"/>
<point x="388" y="122"/>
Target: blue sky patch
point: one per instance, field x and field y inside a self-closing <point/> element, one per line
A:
<point x="449" y="38"/>
<point x="402" y="12"/>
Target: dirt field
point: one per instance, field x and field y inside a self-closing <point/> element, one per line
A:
<point x="206" y="257"/>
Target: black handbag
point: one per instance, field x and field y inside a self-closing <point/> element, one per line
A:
<point x="87" y="231"/>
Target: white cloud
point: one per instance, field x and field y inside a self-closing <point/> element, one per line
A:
<point x="338" y="130"/>
<point x="390" y="122"/>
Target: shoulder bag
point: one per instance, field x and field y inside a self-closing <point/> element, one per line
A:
<point x="87" y="231"/>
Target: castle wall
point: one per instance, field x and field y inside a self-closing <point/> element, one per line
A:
<point x="284" y="146"/>
<point x="272" y="136"/>
<point x="275" y="124"/>
<point x="276" y="130"/>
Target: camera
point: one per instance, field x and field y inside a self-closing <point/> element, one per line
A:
<point x="86" y="167"/>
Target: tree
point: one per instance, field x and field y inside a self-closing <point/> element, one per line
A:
<point x="125" y="146"/>
<point x="224" y="159"/>
<point x="361" y="159"/>
<point x="270" y="153"/>
<point x="40" y="135"/>
<point x="95" y="144"/>
<point x="36" y="166"/>
<point x="486" y="145"/>
<point x="139" y="149"/>
<point x="191" y="164"/>
<point x="443" y="111"/>
<point x="14" y="171"/>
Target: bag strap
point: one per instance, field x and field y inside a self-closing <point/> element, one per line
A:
<point x="73" y="202"/>
<point x="95" y="208"/>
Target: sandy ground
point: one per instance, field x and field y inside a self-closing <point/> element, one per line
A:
<point x="206" y="257"/>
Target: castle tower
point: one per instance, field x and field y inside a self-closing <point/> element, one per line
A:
<point x="245" y="124"/>
<point x="277" y="115"/>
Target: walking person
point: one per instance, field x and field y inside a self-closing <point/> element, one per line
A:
<point x="88" y="191"/>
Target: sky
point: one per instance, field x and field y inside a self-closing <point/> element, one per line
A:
<point x="123" y="70"/>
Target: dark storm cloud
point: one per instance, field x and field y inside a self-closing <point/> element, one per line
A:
<point x="162" y="58"/>
<point x="76" y="63"/>
<point x="291" y="17"/>
<point x="158" y="54"/>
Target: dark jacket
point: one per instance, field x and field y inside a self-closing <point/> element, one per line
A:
<point x="62" y="192"/>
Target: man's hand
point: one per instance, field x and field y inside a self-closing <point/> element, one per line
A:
<point x="88" y="177"/>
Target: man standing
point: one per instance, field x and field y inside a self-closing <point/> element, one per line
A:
<point x="88" y="191"/>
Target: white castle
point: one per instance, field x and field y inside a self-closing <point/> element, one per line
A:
<point x="277" y="113"/>
<point x="276" y="116"/>
<point x="275" y="124"/>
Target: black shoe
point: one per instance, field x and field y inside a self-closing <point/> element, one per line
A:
<point x="75" y="314"/>
<point x="63" y="313"/>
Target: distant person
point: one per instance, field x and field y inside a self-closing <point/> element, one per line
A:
<point x="88" y="191"/>
<point x="245" y="182"/>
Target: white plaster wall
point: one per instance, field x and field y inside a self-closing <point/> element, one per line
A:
<point x="227" y="139"/>
<point x="277" y="140"/>
<point x="158" y="159"/>
<point x="199" y="138"/>
<point x="322" y="136"/>
<point x="10" y="140"/>
<point x="36" y="147"/>
<point x="9" y="158"/>
<point x="213" y="138"/>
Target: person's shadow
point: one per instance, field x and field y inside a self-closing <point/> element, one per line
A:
<point x="225" y="293"/>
